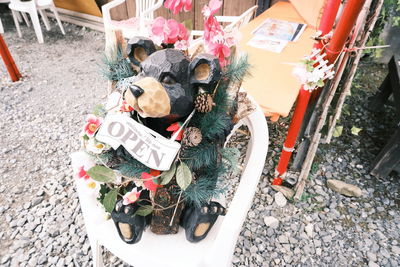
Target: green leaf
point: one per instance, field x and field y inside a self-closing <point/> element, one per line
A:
<point x="167" y="176"/>
<point x="101" y="174"/>
<point x="346" y="109"/>
<point x="99" y="110"/>
<point x="183" y="176"/>
<point x="320" y="83"/>
<point x="337" y="131"/>
<point x="144" y="210"/>
<point x="110" y="199"/>
<point x="355" y="130"/>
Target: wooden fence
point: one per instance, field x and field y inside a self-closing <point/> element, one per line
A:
<point x="229" y="8"/>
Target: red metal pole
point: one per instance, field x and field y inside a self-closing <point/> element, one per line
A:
<point x="9" y="61"/>
<point x="343" y="29"/>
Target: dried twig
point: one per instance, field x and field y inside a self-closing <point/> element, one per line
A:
<point x="350" y="77"/>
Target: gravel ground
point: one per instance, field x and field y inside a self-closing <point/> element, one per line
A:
<point x="41" y="223"/>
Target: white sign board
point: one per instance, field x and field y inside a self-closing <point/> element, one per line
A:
<point x="144" y="144"/>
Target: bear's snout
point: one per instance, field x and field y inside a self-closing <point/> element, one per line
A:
<point x="149" y="98"/>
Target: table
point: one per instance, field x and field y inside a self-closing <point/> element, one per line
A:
<point x="272" y="83"/>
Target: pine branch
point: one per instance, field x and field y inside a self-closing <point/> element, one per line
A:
<point x="116" y="69"/>
<point x="238" y="69"/>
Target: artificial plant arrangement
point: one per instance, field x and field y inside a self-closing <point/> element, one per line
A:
<point x="156" y="148"/>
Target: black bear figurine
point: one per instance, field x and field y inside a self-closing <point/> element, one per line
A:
<point x="130" y="226"/>
<point x="197" y="221"/>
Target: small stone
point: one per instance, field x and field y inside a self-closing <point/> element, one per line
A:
<point x="309" y="229"/>
<point x="344" y="188"/>
<point x="287" y="192"/>
<point x="42" y="259"/>
<point x="372" y="264"/>
<point x="280" y="199"/>
<point x="271" y="222"/>
<point x="371" y="256"/>
<point x="396" y="250"/>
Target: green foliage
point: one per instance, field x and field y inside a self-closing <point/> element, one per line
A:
<point x="144" y="210"/>
<point x="99" y="110"/>
<point x="101" y="174"/>
<point x="204" y="188"/>
<point x="183" y="176"/>
<point x="237" y="69"/>
<point x="110" y="199"/>
<point x="337" y="131"/>
<point x="117" y="68"/>
<point x="231" y="157"/>
<point x="102" y="193"/>
<point x="167" y="176"/>
<point x="131" y="167"/>
<point x="390" y="8"/>
<point x="201" y="156"/>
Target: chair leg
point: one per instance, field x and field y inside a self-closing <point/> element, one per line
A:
<point x="15" y="17"/>
<point x="54" y="10"/>
<point x="96" y="253"/>
<point x="19" y="17"/>
<point x="1" y="27"/>
<point x="36" y="25"/>
<point x="26" y="19"/>
<point x="45" y="19"/>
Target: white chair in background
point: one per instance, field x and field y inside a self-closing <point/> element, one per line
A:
<point x="174" y="250"/>
<point x="32" y="8"/>
<point x="132" y="26"/>
<point x="235" y="22"/>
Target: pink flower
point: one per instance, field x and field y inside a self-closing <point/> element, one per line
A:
<point x="82" y="173"/>
<point x="148" y="180"/>
<point x="168" y="31"/>
<point x="177" y="5"/>
<point x="212" y="8"/>
<point x="221" y="51"/>
<point x="212" y="28"/>
<point x="131" y="197"/>
<point x="92" y="124"/>
<point x="181" y="45"/>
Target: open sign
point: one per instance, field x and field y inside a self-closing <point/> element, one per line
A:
<point x="144" y="144"/>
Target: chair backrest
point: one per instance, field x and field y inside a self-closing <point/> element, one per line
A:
<point x="17" y="4"/>
<point x="243" y="19"/>
<point x="142" y="6"/>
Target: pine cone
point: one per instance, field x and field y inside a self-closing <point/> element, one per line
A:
<point x="191" y="136"/>
<point x="203" y="102"/>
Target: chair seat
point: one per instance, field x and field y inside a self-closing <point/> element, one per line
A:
<point x="166" y="250"/>
<point x="41" y="3"/>
<point x="130" y="27"/>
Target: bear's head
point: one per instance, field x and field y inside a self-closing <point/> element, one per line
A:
<point x="167" y="82"/>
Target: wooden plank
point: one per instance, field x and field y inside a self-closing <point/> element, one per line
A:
<point x="131" y="8"/>
<point x="163" y="12"/>
<point x="78" y="20"/>
<point x="119" y="12"/>
<point x="237" y="8"/>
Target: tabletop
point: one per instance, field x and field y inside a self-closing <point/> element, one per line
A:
<point x="272" y="83"/>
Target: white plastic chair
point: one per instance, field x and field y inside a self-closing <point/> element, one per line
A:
<point x="216" y="250"/>
<point x="1" y="27"/>
<point x="235" y="22"/>
<point x="32" y="8"/>
<point x="134" y="26"/>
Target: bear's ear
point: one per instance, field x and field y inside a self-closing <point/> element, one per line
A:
<point x="139" y="48"/>
<point x="205" y="70"/>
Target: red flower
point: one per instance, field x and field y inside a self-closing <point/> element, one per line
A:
<point x="177" y="5"/>
<point x="149" y="182"/>
<point x="82" y="173"/>
<point x="92" y="124"/>
<point x="174" y="128"/>
<point x="125" y="107"/>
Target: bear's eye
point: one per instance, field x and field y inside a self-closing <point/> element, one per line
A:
<point x="168" y="79"/>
